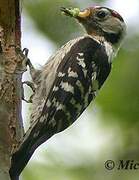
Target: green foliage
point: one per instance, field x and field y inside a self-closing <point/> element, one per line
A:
<point x="49" y="20"/>
<point x="80" y="172"/>
<point x="119" y="97"/>
<point x="60" y="172"/>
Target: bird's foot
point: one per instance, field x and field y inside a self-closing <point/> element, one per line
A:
<point x="23" y="59"/>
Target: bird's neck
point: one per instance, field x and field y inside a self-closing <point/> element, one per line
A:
<point x="113" y="39"/>
<point x="110" y="49"/>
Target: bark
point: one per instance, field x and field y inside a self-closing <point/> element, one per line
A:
<point x="11" y="69"/>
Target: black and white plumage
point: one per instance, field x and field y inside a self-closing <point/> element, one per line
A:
<point x="70" y="80"/>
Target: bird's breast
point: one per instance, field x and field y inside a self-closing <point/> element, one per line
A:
<point x="109" y="51"/>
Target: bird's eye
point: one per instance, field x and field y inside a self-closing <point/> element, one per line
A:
<point x="102" y="14"/>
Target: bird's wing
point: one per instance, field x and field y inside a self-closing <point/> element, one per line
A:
<point x="46" y="78"/>
<point x="72" y="90"/>
<point x="70" y="94"/>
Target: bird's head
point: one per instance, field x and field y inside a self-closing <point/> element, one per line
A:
<point x="100" y="21"/>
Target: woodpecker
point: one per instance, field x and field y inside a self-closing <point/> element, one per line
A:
<point x="70" y="79"/>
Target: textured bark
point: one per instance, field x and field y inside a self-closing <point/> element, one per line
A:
<point x="11" y="69"/>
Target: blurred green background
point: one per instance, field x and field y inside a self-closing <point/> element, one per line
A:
<point x="109" y="129"/>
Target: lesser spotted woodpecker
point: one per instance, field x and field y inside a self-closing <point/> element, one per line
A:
<point x="71" y="78"/>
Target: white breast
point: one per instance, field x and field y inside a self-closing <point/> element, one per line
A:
<point x="110" y="51"/>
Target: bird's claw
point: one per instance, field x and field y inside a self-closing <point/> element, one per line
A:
<point x="22" y="59"/>
<point x="25" y="52"/>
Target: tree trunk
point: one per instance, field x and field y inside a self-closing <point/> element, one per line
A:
<point x="11" y="70"/>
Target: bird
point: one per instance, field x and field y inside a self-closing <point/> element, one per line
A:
<point x="71" y="78"/>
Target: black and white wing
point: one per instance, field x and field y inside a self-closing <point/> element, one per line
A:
<point x="79" y="75"/>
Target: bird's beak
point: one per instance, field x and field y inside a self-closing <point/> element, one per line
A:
<point x="75" y="12"/>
